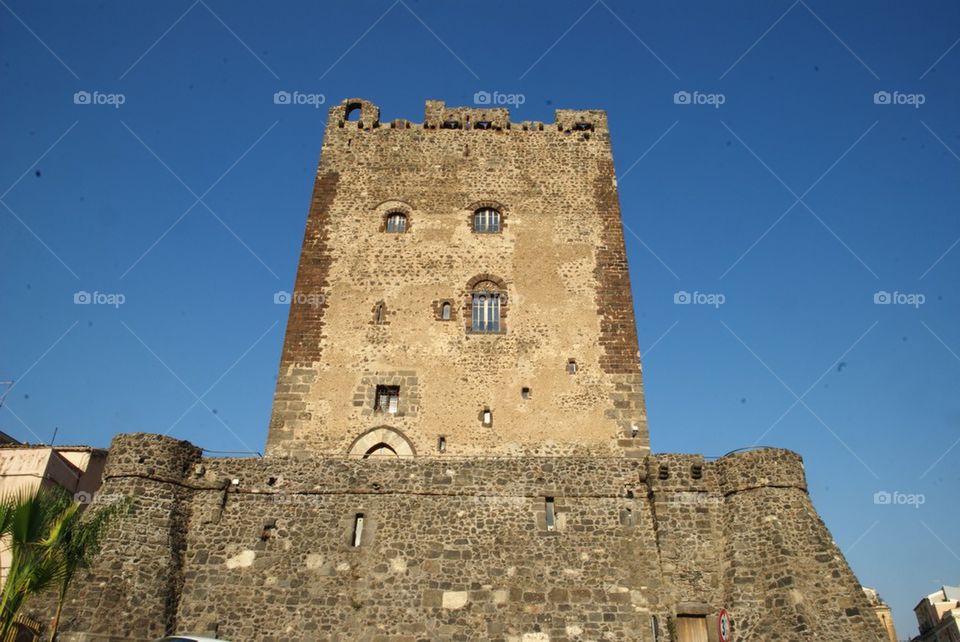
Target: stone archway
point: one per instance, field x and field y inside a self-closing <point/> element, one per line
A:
<point x="381" y="442"/>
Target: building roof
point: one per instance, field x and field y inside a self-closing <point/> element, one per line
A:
<point x="69" y="448"/>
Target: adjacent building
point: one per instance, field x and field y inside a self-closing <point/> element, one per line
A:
<point x="24" y="468"/>
<point x="882" y="609"/>
<point x="938" y="616"/>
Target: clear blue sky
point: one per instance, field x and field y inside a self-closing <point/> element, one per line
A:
<point x="100" y="198"/>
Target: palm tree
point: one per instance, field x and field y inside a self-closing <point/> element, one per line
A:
<point x="74" y="541"/>
<point x="50" y="539"/>
<point x="26" y="519"/>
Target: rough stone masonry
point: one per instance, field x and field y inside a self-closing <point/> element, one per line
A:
<point x="458" y="448"/>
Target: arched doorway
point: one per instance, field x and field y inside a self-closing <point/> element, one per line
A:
<point x="382" y="442"/>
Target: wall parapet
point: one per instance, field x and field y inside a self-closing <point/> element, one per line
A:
<point x="152" y="456"/>
<point x="761" y="468"/>
<point x="359" y="114"/>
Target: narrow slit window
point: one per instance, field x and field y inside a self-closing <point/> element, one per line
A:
<point x="442" y="444"/>
<point x="445" y="312"/>
<point x="487" y="417"/>
<point x="379" y="314"/>
<point x="357" y="529"/>
<point x="550" y="513"/>
<point x="388" y="399"/>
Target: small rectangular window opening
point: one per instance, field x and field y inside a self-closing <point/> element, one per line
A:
<point x="525" y="393"/>
<point x="572" y="366"/>
<point x="357" y="529"/>
<point x="487" y="417"/>
<point x="388" y="399"/>
<point x="550" y="514"/>
<point x="442" y="444"/>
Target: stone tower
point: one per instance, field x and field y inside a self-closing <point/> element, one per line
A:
<point x="473" y="271"/>
<point x="458" y="449"/>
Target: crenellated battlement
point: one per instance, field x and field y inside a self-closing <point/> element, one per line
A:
<point x="359" y="114"/>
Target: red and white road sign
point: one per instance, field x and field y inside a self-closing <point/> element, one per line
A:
<point x="723" y="626"/>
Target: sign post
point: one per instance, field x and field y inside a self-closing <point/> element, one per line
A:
<point x="723" y="626"/>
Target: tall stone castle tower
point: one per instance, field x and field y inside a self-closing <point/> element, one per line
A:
<point x="459" y="448"/>
<point x="463" y="287"/>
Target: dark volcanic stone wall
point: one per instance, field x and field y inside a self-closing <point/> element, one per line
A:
<point x="458" y="549"/>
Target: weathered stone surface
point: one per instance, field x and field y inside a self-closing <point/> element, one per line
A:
<point x="271" y="558"/>
<point x="462" y="545"/>
<point x="559" y="262"/>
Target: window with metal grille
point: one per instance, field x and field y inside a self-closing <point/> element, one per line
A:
<point x="486" y="220"/>
<point x="388" y="399"/>
<point x="486" y="312"/>
<point x="396" y="223"/>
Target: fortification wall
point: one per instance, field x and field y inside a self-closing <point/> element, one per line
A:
<point x="558" y="262"/>
<point x="459" y="549"/>
<point x="782" y="567"/>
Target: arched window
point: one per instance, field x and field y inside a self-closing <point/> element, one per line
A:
<point x="352" y="112"/>
<point x="382" y="441"/>
<point x="486" y="220"/>
<point x="445" y="312"/>
<point x="396" y="223"/>
<point x="486" y="311"/>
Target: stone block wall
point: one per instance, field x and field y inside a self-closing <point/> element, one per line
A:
<point x="558" y="262"/>
<point x="456" y="548"/>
